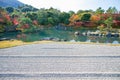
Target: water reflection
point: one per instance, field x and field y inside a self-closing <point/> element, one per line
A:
<point x="58" y="35"/>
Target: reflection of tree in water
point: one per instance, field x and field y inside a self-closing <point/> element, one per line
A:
<point x="21" y="36"/>
<point x="60" y="35"/>
<point x="92" y="38"/>
<point x="102" y="39"/>
<point x="28" y="37"/>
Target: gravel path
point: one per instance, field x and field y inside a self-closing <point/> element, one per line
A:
<point x="63" y="49"/>
<point x="56" y="61"/>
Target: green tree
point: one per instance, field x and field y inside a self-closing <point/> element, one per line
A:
<point x="42" y="17"/>
<point x="9" y="9"/>
<point x="115" y="10"/>
<point x="48" y="14"/>
<point x="71" y="13"/>
<point x="109" y="10"/>
<point x="64" y="18"/>
<point x="99" y="11"/>
<point x="31" y="15"/>
<point x="86" y="17"/>
<point x="109" y="23"/>
<point x="26" y="9"/>
<point x="51" y="21"/>
<point x="112" y="10"/>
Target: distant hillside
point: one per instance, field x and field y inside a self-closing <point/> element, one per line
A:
<point x="11" y="3"/>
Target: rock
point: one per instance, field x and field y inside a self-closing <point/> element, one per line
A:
<point x="61" y="27"/>
<point x="76" y="33"/>
<point x="84" y="34"/>
<point x="64" y="40"/>
<point x="94" y="34"/>
<point x="88" y="40"/>
<point x="47" y="38"/>
<point x="56" y="39"/>
<point x="3" y="39"/>
<point x="112" y="35"/>
<point x="115" y="42"/>
<point x="88" y="33"/>
<point x="115" y="35"/>
<point x="72" y="40"/>
<point x="108" y="35"/>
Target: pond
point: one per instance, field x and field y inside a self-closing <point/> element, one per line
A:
<point x="55" y="34"/>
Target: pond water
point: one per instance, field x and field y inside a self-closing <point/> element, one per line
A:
<point x="59" y="35"/>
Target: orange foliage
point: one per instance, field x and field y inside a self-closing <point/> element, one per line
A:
<point x="4" y="17"/>
<point x="95" y="18"/>
<point x="74" y="17"/>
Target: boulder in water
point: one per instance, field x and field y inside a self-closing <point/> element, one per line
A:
<point x="76" y="33"/>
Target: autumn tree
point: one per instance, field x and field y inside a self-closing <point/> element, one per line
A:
<point x="5" y="20"/>
<point x="26" y="25"/>
<point x="74" y="17"/>
<point x="95" y="18"/>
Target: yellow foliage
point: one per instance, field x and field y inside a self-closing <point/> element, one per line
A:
<point x="95" y="18"/>
<point x="74" y="17"/>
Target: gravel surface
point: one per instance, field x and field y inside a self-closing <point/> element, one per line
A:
<point x="63" y="49"/>
<point x="56" y="61"/>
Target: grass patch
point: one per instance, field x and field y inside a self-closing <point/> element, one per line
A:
<point x="13" y="43"/>
<point x="7" y="44"/>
